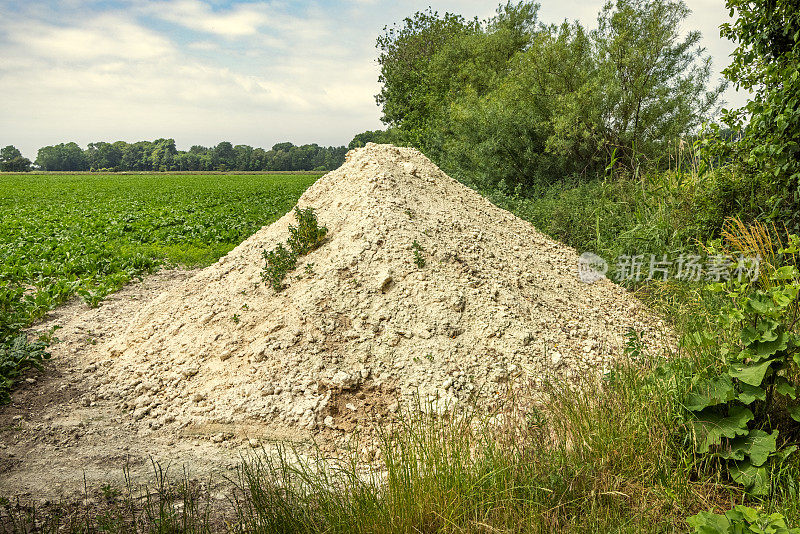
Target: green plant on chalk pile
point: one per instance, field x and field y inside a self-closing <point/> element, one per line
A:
<point x="738" y="412"/>
<point x="303" y="238"/>
<point x="419" y="259"/>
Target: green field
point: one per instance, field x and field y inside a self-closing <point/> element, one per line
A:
<point x="67" y="234"/>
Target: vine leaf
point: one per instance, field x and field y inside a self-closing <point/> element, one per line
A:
<point x="794" y="412"/>
<point x="785" y="388"/>
<point x="764" y="349"/>
<point x="758" y="445"/>
<point x="755" y="479"/>
<point x="750" y="393"/>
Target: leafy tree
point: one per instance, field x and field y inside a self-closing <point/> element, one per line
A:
<point x="224" y="156"/>
<point x="413" y="90"/>
<point x="62" y="157"/>
<point x="767" y="63"/>
<point x="511" y="101"/>
<point x="654" y="80"/>
<point x="11" y="160"/>
<point x="370" y="136"/>
<point x="103" y="155"/>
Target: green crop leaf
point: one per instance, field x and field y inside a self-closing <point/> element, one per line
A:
<point x="715" y="391"/>
<point x="752" y="373"/>
<point x="751" y="394"/>
<point x="754" y="479"/>
<point x="710" y="427"/>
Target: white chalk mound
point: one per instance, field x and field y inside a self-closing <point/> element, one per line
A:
<point x="361" y="327"/>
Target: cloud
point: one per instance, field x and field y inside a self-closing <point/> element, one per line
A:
<point x="102" y="37"/>
<point x="238" y="21"/>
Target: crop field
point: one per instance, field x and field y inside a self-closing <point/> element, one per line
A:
<point x="62" y="234"/>
<point x="67" y="234"/>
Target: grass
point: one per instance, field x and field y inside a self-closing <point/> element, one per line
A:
<point x="608" y="456"/>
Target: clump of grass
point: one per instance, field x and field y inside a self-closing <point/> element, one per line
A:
<point x="303" y="238"/>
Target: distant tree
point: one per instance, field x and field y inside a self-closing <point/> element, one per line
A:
<point x="224" y="156"/>
<point x="243" y="158"/>
<point x="11" y="160"/>
<point x="103" y="155"/>
<point x="62" y="157"/>
<point x="162" y="155"/>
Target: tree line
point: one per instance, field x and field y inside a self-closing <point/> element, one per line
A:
<point x="162" y="155"/>
<point x="514" y="102"/>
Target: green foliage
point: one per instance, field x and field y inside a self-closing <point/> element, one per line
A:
<point x="738" y="411"/>
<point x="766" y="62"/>
<point x="307" y="236"/>
<point x="11" y="160"/>
<point x="740" y="520"/>
<point x="162" y="155"/>
<point x="511" y="102"/>
<point x="279" y="261"/>
<point x="17" y="355"/>
<point x="419" y="259"/>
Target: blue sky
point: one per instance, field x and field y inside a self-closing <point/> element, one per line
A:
<point x="203" y="71"/>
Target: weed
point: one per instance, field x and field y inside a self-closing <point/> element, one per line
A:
<point x="419" y="259"/>
<point x="304" y="238"/>
<point x="236" y="318"/>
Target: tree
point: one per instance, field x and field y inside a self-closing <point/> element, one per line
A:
<point x="62" y="157"/>
<point x="11" y="160"/>
<point x="224" y="156"/>
<point x="413" y="89"/>
<point x="103" y="155"/>
<point x="655" y="83"/>
<point x="767" y="63"/>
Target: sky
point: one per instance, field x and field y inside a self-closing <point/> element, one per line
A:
<point x="203" y="71"/>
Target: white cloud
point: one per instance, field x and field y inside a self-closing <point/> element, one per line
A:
<point x="101" y="37"/>
<point x="236" y="22"/>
